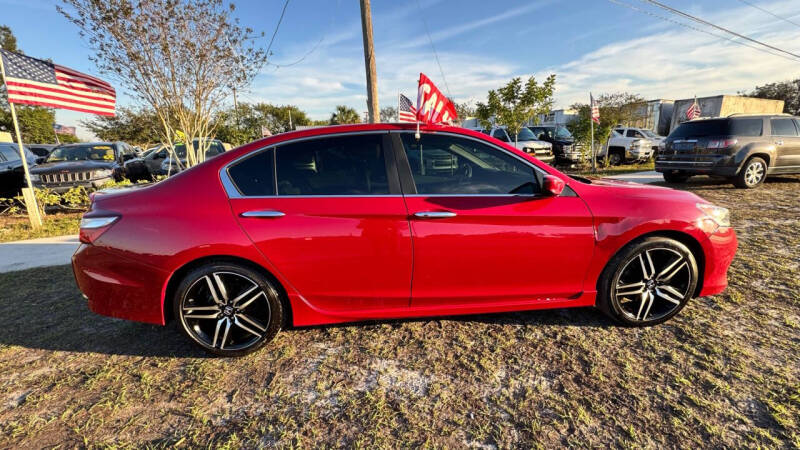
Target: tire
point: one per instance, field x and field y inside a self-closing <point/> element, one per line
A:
<point x="615" y="159"/>
<point x="228" y="309"/>
<point x="647" y="282"/>
<point x="752" y="174"/>
<point x="676" y="176"/>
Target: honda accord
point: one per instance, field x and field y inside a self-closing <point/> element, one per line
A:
<point x="359" y="222"/>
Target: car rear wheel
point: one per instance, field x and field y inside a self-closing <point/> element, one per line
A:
<point x="753" y="173"/>
<point x="648" y="282"/>
<point x="676" y="176"/>
<point x="228" y="309"/>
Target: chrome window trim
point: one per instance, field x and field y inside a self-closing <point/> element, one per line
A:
<point x="233" y="192"/>
<point x="472" y="138"/>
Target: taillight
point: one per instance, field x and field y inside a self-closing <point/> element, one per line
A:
<point x="93" y="227"/>
<point x="722" y="143"/>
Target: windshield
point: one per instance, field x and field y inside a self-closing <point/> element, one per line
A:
<point x="563" y="133"/>
<point x="650" y="134"/>
<point x="718" y="127"/>
<point x="525" y="135"/>
<point x="87" y="152"/>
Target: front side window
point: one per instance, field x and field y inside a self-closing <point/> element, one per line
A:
<point x="348" y="165"/>
<point x="783" y="127"/>
<point x="449" y="165"/>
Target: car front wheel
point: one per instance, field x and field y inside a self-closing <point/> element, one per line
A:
<point x="228" y="309"/>
<point x="648" y="282"/>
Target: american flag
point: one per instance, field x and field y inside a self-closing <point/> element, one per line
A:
<point x="406" y="112"/>
<point x="32" y="81"/>
<point x="694" y="111"/>
<point x="595" y="109"/>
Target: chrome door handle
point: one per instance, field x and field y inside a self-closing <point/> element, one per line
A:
<point x="778" y="142"/>
<point x="434" y="214"/>
<point x="264" y="214"/>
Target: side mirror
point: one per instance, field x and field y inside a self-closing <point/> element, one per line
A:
<point x="553" y="185"/>
<point x="127" y="157"/>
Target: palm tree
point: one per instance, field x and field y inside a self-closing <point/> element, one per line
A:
<point x="344" y="114"/>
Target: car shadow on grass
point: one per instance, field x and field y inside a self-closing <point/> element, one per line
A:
<point x="43" y="309"/>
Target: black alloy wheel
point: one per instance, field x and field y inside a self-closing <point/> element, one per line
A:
<point x="228" y="309"/>
<point x="648" y="282"/>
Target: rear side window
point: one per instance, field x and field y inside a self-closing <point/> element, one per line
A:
<point x="255" y="176"/>
<point x="783" y="127"/>
<point x="349" y="165"/>
<point x="719" y="127"/>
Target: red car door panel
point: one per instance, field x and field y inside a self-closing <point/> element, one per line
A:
<point x="328" y="215"/>
<point x="482" y="229"/>
<point x="339" y="253"/>
<point x="499" y="249"/>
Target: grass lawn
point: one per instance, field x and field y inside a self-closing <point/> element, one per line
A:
<point x="16" y="228"/>
<point x="723" y="373"/>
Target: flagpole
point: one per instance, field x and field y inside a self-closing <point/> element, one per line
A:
<point x="591" y="126"/>
<point x="30" y="195"/>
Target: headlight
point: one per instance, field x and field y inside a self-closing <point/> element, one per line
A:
<point x="721" y="216"/>
<point x="103" y="173"/>
<point x="35" y="178"/>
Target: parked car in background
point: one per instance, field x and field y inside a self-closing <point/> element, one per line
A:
<point x="621" y="148"/>
<point x="743" y="149"/>
<point x="87" y="164"/>
<point x="641" y="133"/>
<point x="565" y="149"/>
<point x="12" y="175"/>
<point x="331" y="224"/>
<point x="41" y="150"/>
<point x="527" y="142"/>
<point x="146" y="166"/>
<point x="170" y="166"/>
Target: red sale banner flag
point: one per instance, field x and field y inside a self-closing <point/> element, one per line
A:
<point x="432" y="105"/>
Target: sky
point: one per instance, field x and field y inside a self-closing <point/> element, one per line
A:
<point x="601" y="46"/>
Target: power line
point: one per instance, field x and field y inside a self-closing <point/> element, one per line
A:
<point x="269" y="47"/>
<point x="316" y="46"/>
<point x="700" y="30"/>
<point x="436" y="55"/>
<point x="770" y="13"/>
<point x="707" y="23"/>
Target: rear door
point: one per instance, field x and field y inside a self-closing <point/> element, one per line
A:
<point x="483" y="232"/>
<point x="328" y="214"/>
<point x="786" y="138"/>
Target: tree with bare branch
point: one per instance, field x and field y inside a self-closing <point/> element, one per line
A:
<point x="180" y="57"/>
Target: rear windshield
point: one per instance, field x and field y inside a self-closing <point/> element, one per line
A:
<point x="719" y="127"/>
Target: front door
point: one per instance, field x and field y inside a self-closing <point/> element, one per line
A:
<point x="331" y="220"/>
<point x="483" y="231"/>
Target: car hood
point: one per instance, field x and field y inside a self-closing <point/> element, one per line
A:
<point x="620" y="189"/>
<point x="72" y="166"/>
<point x="534" y="143"/>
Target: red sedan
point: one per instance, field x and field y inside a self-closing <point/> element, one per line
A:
<point x="348" y="223"/>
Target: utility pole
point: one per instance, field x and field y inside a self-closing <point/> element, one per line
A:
<point x="369" y="63"/>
